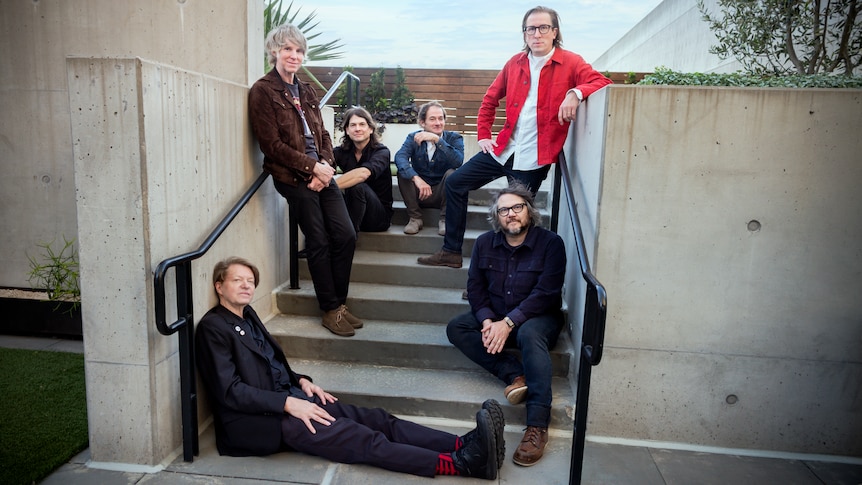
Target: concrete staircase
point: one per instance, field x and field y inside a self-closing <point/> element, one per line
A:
<point x="401" y="360"/>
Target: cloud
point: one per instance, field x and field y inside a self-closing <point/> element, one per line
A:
<point x="462" y="35"/>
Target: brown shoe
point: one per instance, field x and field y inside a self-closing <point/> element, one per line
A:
<point x="442" y="258"/>
<point x="516" y="392"/>
<point x="532" y="446"/>
<point x="413" y="226"/>
<point x="351" y="319"/>
<point x="335" y="322"/>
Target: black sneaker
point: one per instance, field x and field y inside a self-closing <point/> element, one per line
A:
<point x="495" y="411"/>
<point x="478" y="458"/>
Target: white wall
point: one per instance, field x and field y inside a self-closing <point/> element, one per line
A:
<point x="673" y="35"/>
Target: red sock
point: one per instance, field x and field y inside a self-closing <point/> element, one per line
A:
<point x="459" y="443"/>
<point x="445" y="466"/>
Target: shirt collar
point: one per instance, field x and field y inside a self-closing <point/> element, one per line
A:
<point x="500" y="239"/>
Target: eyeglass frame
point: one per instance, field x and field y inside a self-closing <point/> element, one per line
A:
<point x="538" y="28"/>
<point x="504" y="211"/>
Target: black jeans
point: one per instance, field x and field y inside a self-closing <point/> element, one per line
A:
<point x="367" y="212"/>
<point x="329" y="239"/>
<point x="370" y="436"/>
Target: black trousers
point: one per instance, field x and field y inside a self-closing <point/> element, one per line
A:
<point x="370" y="436"/>
<point x="329" y="239"/>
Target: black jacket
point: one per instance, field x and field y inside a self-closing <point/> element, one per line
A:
<point x="247" y="410"/>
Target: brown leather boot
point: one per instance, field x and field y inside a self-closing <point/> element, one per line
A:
<point x="532" y="446"/>
<point x="351" y="319"/>
<point x="335" y="322"/>
<point x="442" y="258"/>
<point x="516" y="392"/>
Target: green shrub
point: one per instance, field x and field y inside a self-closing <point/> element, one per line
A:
<point x="665" y="76"/>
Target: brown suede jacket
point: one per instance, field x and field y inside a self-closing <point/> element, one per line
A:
<point x="276" y="123"/>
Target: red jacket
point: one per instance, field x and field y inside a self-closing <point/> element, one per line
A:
<point x="565" y="70"/>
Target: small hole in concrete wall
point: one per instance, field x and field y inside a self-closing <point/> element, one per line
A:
<point x="753" y="225"/>
<point x="46" y="179"/>
<point x="731" y="399"/>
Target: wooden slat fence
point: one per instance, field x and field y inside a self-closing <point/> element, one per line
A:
<point x="460" y="91"/>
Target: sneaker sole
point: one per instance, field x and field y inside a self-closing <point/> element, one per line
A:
<point x="499" y="420"/>
<point x="490" y="443"/>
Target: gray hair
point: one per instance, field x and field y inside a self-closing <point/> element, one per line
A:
<point x="521" y="190"/>
<point x="280" y="36"/>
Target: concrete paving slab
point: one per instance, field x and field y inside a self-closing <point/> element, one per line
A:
<point x="687" y="467"/>
<point x="613" y="465"/>
<point x="836" y="473"/>
<point x="41" y="343"/>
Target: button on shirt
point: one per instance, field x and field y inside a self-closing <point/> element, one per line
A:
<point x="519" y="282"/>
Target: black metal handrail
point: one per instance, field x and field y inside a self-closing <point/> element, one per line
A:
<point x="595" y="314"/>
<point x="352" y="88"/>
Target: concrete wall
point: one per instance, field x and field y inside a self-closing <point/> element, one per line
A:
<point x="37" y="193"/>
<point x="673" y="35"/>
<point x="138" y="160"/>
<point x="728" y="238"/>
<point x="161" y="155"/>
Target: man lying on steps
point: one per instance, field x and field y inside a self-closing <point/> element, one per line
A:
<point x="261" y="406"/>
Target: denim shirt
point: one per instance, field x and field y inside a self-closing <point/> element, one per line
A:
<point x="521" y="282"/>
<point x="412" y="158"/>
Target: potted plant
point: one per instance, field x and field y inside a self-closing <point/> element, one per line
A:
<point x="52" y="306"/>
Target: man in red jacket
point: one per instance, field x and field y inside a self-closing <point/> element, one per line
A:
<point x="543" y="86"/>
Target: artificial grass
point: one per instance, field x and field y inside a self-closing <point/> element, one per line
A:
<point x="43" y="413"/>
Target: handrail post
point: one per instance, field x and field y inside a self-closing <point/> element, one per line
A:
<point x="293" y="235"/>
<point x="555" y="204"/>
<point x="188" y="384"/>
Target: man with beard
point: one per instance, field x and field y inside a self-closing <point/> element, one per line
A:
<point x="515" y="292"/>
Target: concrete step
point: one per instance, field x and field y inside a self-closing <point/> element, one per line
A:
<point x="483" y="196"/>
<point x="404" y="344"/>
<point x="397" y="268"/>
<point x="375" y="301"/>
<point x="425" y="242"/>
<point x="447" y="394"/>
<point x="477" y="217"/>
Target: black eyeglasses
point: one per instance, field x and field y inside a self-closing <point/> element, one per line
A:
<point x="517" y="208"/>
<point x="543" y="29"/>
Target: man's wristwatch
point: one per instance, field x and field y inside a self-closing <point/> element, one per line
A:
<point x="509" y="321"/>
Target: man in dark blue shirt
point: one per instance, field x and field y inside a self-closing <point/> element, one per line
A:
<point x="515" y="291"/>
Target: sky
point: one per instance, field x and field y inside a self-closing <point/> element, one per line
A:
<point x="461" y="34"/>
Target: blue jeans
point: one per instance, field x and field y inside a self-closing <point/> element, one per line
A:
<point x="535" y="338"/>
<point x="329" y="239"/>
<point x="478" y="171"/>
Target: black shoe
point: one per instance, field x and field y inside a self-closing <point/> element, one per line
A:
<point x="496" y="412"/>
<point x="478" y="458"/>
<point x="499" y="420"/>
